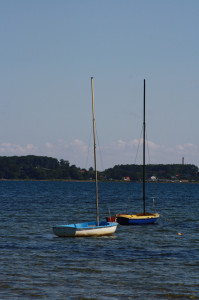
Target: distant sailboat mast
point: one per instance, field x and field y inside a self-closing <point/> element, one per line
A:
<point x="95" y="160"/>
<point x="144" y="137"/>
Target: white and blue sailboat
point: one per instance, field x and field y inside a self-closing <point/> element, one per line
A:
<point x="93" y="228"/>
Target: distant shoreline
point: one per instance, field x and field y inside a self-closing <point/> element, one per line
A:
<point x="106" y="181"/>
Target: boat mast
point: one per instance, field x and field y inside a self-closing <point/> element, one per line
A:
<point x="95" y="161"/>
<point x="144" y="136"/>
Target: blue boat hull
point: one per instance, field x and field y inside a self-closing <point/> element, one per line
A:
<point x="139" y="219"/>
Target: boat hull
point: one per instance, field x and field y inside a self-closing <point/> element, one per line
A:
<point x="138" y="219"/>
<point x="85" y="229"/>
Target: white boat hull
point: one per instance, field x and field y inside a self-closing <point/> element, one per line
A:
<point x="85" y="229"/>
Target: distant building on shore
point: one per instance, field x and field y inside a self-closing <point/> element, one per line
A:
<point x="126" y="178"/>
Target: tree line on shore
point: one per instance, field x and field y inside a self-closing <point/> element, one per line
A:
<point x="33" y="167"/>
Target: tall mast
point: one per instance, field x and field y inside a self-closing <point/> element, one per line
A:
<point x="95" y="160"/>
<point x="144" y="136"/>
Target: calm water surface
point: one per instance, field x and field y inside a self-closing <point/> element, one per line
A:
<point x="138" y="262"/>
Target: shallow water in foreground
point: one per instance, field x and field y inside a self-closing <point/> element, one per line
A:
<point x="138" y="262"/>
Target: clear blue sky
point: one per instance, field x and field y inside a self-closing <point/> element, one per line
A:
<point x="50" y="49"/>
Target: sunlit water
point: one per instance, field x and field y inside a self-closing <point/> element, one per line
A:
<point x="138" y="262"/>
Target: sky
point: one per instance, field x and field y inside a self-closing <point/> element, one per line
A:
<point x="49" y="51"/>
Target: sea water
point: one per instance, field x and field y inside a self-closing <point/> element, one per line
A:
<point x="158" y="261"/>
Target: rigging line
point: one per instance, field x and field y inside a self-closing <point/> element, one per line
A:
<point x="168" y="220"/>
<point x="89" y="146"/>
<point x="109" y="211"/>
<point x="100" y="153"/>
<point x="154" y="205"/>
<point x="147" y="142"/>
<point x="127" y="204"/>
<point x="138" y="146"/>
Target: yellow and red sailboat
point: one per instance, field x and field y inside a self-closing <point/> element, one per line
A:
<point x="143" y="217"/>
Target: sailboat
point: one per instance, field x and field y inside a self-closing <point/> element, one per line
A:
<point x="93" y="228"/>
<point x="143" y="217"/>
